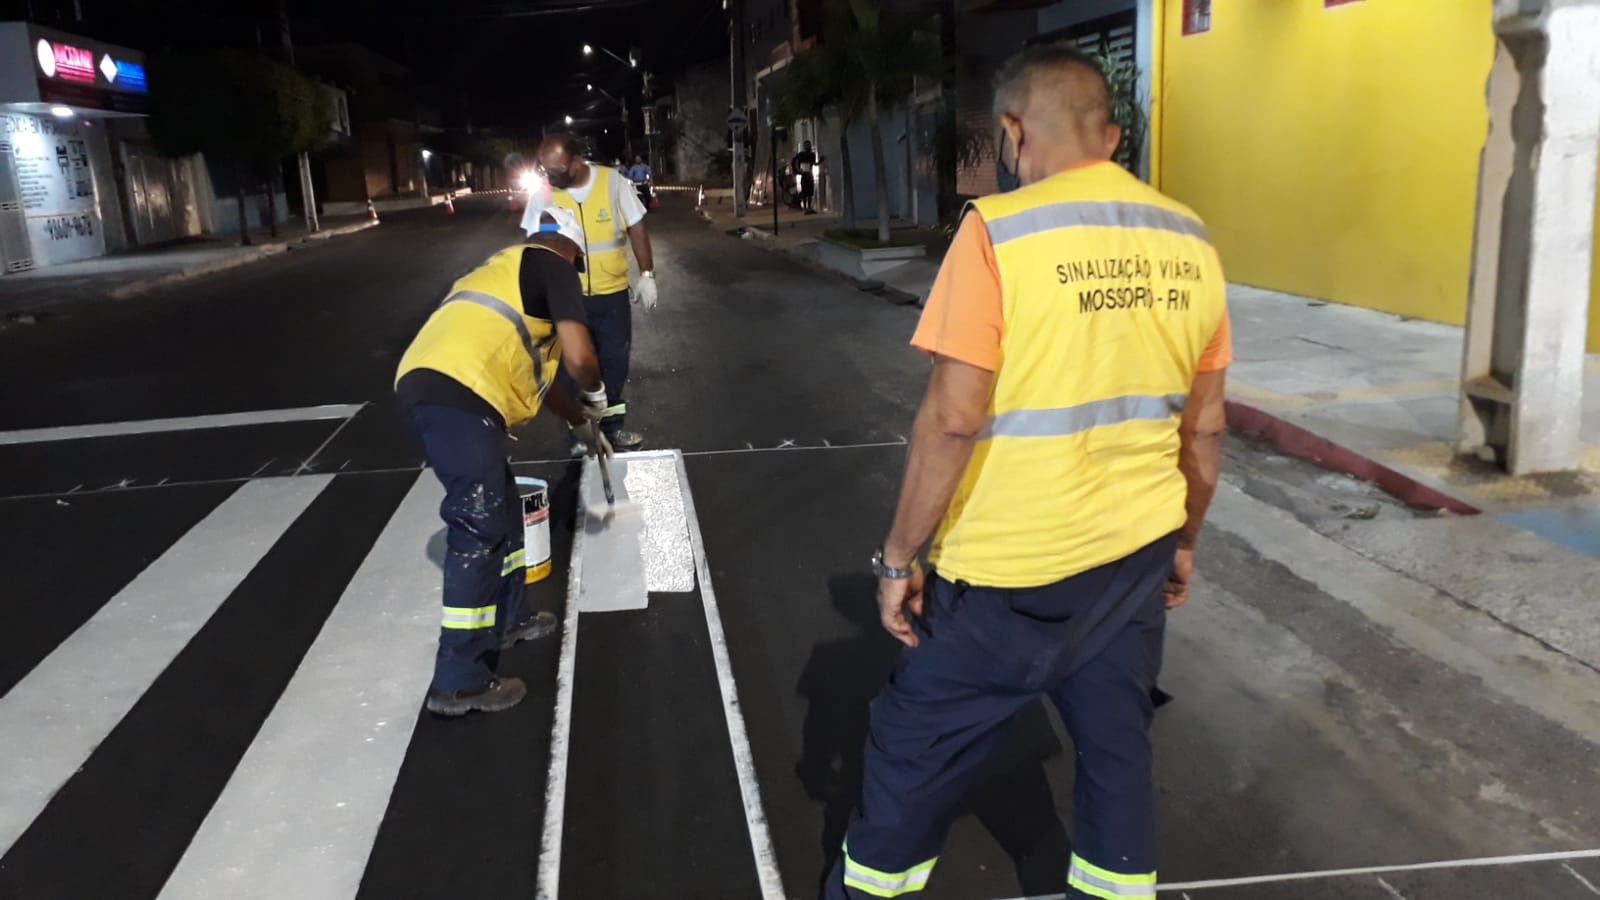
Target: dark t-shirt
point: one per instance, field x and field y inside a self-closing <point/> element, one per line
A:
<point x="550" y="291"/>
<point x="804" y="161"/>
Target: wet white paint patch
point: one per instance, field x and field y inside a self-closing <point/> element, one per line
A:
<point x="613" y="555"/>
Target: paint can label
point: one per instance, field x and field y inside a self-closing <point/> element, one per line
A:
<point x="535" y="527"/>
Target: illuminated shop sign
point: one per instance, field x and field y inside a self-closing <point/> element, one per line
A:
<point x="66" y="62"/>
<point x="123" y="74"/>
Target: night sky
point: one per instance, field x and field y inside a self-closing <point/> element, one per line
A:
<point x="519" y="62"/>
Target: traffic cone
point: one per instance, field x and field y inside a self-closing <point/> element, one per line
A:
<point x="449" y="206"/>
<point x="372" y="212"/>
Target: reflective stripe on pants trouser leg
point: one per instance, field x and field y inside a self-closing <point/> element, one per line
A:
<point x="989" y="653"/>
<point x="482" y="512"/>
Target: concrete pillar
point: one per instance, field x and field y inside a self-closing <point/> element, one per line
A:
<point x="1527" y="312"/>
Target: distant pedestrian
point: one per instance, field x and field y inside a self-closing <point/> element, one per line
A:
<point x="612" y="220"/>
<point x="483" y="363"/>
<point x="640" y="174"/>
<point x="805" y="163"/>
<point x="1062" y="462"/>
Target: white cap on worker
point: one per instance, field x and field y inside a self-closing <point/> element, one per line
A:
<point x="565" y="224"/>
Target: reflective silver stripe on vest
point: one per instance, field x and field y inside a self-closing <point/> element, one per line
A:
<point x="503" y="310"/>
<point x="1067" y="420"/>
<point x="1080" y="878"/>
<point x="620" y="243"/>
<point x="1093" y="214"/>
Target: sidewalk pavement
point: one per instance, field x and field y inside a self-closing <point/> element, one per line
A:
<point x="1356" y="390"/>
<point x="799" y="233"/>
<point x="123" y="275"/>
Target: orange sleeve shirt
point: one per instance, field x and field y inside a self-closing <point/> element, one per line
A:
<point x="964" y="317"/>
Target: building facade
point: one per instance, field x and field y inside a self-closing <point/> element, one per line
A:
<point x="1332" y="146"/>
<point x="79" y="175"/>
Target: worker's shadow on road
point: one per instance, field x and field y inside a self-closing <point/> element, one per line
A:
<point x="1014" y="801"/>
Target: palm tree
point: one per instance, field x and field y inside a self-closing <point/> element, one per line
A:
<point x="867" y="62"/>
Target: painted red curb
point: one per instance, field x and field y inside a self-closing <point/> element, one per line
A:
<point x="1300" y="443"/>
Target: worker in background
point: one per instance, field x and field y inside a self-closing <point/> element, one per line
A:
<point x="805" y="164"/>
<point x="484" y="363"/>
<point x="612" y="220"/>
<point x="1062" y="461"/>
<point x="640" y="174"/>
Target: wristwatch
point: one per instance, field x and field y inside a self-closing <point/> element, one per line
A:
<point x="884" y="570"/>
<point x="648" y="273"/>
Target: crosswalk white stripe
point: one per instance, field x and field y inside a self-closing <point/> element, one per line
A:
<point x="301" y="812"/>
<point x="54" y="718"/>
<point x="185" y="423"/>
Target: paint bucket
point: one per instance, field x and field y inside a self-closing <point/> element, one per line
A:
<point x="535" y="527"/>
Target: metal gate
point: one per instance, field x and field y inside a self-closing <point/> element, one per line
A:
<point x="16" y="253"/>
<point x="159" y="195"/>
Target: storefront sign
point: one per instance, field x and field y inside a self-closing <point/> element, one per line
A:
<point x="69" y="70"/>
<point x="51" y="160"/>
<point x="66" y="62"/>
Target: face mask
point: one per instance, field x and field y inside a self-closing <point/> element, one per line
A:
<point x="1009" y="176"/>
<point x="559" y="180"/>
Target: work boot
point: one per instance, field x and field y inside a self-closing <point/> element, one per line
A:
<point x="540" y="625"/>
<point x="499" y="694"/>
<point x="623" y="441"/>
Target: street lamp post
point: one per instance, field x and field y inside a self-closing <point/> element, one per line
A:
<point x="630" y="62"/>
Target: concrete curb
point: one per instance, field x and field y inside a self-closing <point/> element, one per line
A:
<point x="243" y="258"/>
<point x="1300" y="443"/>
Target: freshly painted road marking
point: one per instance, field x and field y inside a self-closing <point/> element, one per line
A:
<point x="188" y="423"/>
<point x="767" y="872"/>
<point x="299" y="816"/>
<point x="55" y="717"/>
<point x="590" y="531"/>
<point x="1481" y="862"/>
<point x="614" y="551"/>
<point x="555" y="783"/>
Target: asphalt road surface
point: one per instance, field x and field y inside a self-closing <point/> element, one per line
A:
<point x="219" y="630"/>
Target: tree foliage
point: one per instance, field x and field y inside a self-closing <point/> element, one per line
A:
<point x="237" y="106"/>
<point x="867" y="61"/>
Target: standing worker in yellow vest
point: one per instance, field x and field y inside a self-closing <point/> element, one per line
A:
<point x="483" y="363"/>
<point x="1062" y="462"/>
<point x="612" y="220"/>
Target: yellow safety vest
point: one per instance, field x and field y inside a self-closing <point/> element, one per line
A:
<point x="1111" y="293"/>
<point x="605" y="234"/>
<point x="480" y="337"/>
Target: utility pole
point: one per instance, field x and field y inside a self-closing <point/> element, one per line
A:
<point x="736" y="77"/>
<point x="308" y="194"/>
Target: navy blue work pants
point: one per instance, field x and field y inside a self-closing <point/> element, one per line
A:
<point x="611" y="325"/>
<point x="1093" y="644"/>
<point x="484" y="580"/>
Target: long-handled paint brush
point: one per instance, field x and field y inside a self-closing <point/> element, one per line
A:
<point x="605" y="480"/>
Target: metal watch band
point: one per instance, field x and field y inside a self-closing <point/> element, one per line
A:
<point x="884" y="570"/>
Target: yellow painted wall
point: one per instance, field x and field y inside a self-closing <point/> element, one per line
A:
<point x="1334" y="152"/>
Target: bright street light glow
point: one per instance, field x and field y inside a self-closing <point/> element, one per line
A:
<point x="569" y="120"/>
<point x="61" y="112"/>
<point x="588" y="50"/>
<point x="427" y="155"/>
<point x="590" y="87"/>
<point x="529" y="180"/>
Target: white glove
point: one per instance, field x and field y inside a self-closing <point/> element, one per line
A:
<point x="645" y="293"/>
<point x="594" y="440"/>
<point x="594" y="403"/>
